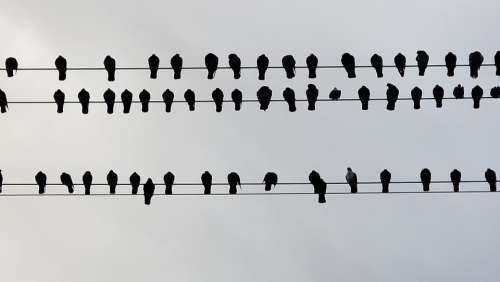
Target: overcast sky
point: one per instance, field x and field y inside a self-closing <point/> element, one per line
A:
<point x="281" y="238"/>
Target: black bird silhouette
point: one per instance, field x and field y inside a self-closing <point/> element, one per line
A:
<point x="87" y="181"/>
<point x="364" y="97"/>
<point x="335" y="94"/>
<point x="455" y="177"/>
<point x="211" y="62"/>
<point x="109" y="99"/>
<point x="319" y="186"/>
<point x="176" y="64"/>
<point x="237" y="98"/>
<point x="475" y="62"/>
<point x="1" y="181"/>
<point x="218" y="97"/>
<point x="416" y="96"/>
<point x="206" y="180"/>
<point x="422" y="62"/>
<point x="313" y="178"/>
<point x="110" y="66"/>
<point x="262" y="65"/>
<point x="59" y="99"/>
<point x="154" y="65"/>
<point x="392" y="96"/>
<point x="352" y="180"/>
<point x="112" y="179"/>
<point x="264" y="95"/>
<point x="168" y="99"/>
<point x="84" y="98"/>
<point x="289" y="96"/>
<point x="149" y="191"/>
<point x="491" y="178"/>
<point x="425" y="177"/>
<point x="451" y="63"/>
<point x="126" y="101"/>
<point x="235" y="65"/>
<point x="458" y="92"/>
<point x="378" y="64"/>
<point x="495" y="92"/>
<point x="144" y="97"/>
<point x="41" y="180"/>
<point x="11" y="66"/>
<point x="135" y="182"/>
<point x="233" y="179"/>
<point x="385" y="179"/>
<point x="312" y="65"/>
<point x="400" y="62"/>
<point x="477" y="94"/>
<point x="190" y="99"/>
<point x="168" y="179"/>
<point x="68" y="182"/>
<point x="288" y="63"/>
<point x="438" y="93"/>
<point x="4" y="105"/>
<point x="312" y="94"/>
<point x="270" y="180"/>
<point x="497" y="62"/>
<point x="349" y="64"/>
<point x="61" y="66"/>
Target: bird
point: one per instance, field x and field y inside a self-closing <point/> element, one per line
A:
<point x="176" y="64"/>
<point x="87" y="181"/>
<point x="168" y="179"/>
<point x="416" y="96"/>
<point x="110" y="66"/>
<point x="312" y="94"/>
<point x="84" y="98"/>
<point x="190" y="99"/>
<point x="235" y="65"/>
<point x="41" y="181"/>
<point x="168" y="99"/>
<point x="61" y="66"/>
<point x="144" y="98"/>
<point x="289" y="96"/>
<point x="135" y="182"/>
<point x="237" y="98"/>
<point x="458" y="92"/>
<point x="59" y="99"/>
<point x="425" y="178"/>
<point x="112" y="179"/>
<point x="211" y="62"/>
<point x="288" y="63"/>
<point x="262" y="65"/>
<point x="438" y="93"/>
<point x="154" y="65"/>
<point x="477" y="94"/>
<point x="400" y="62"/>
<point x="349" y="64"/>
<point x="11" y="66"/>
<point x="392" y="96"/>
<point x="475" y="62"/>
<point x="313" y="178"/>
<point x="385" y="179"/>
<point x="206" y="180"/>
<point x="495" y="92"/>
<point x="491" y="178"/>
<point x="270" y="180"/>
<point x="218" y="97"/>
<point x="264" y="95"/>
<point x="68" y="182"/>
<point x="4" y="105"/>
<point x="352" y="180"/>
<point x="364" y="97"/>
<point x="126" y="101"/>
<point x="497" y="62"/>
<point x="422" y="62"/>
<point x="335" y="94"/>
<point x="451" y="63"/>
<point x="109" y="99"/>
<point x="1" y="181"/>
<point x="455" y="177"/>
<point x="312" y="65"/>
<point x="378" y="64"/>
<point x="319" y="186"/>
<point x="233" y="179"/>
<point x="149" y="191"/>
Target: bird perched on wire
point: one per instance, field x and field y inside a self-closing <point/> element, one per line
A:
<point x="319" y="186"/>
<point x="206" y="180"/>
<point x="349" y="64"/>
<point x="264" y="95"/>
<point x="144" y="98"/>
<point x="109" y="99"/>
<point x="211" y="62"/>
<point x="218" y="97"/>
<point x="154" y="65"/>
<point x="84" y="99"/>
<point x="41" y="181"/>
<point x="270" y="180"/>
<point x="168" y="179"/>
<point x="378" y="64"/>
<point x="438" y="93"/>
<point x="168" y="99"/>
<point x="135" y="182"/>
<point x="455" y="176"/>
<point x="458" y="92"/>
<point x="495" y="92"/>
<point x="110" y="66"/>
<point x="190" y="99"/>
<point x="1" y="181"/>
<point x="4" y="105"/>
<point x="61" y="66"/>
<point x="288" y="63"/>
<point x="400" y="62"/>
<point x="425" y="178"/>
<point x="176" y="64"/>
<point x="149" y="191"/>
<point x="126" y="101"/>
<point x="416" y="96"/>
<point x="422" y="62"/>
<point x="233" y="179"/>
<point x="491" y="178"/>
<point x="87" y="181"/>
<point x="11" y="66"/>
<point x="451" y="63"/>
<point x="364" y="97"/>
<point x="312" y="65"/>
<point x="68" y="182"/>
<point x="289" y="96"/>
<point x="59" y="99"/>
<point x="497" y="62"/>
<point x="262" y="65"/>
<point x="235" y="65"/>
<point x="392" y="96"/>
<point x="237" y="98"/>
<point x="335" y="94"/>
<point x="477" y="94"/>
<point x="352" y="180"/>
<point x="312" y="94"/>
<point x="112" y="179"/>
<point x="385" y="179"/>
<point x="475" y="61"/>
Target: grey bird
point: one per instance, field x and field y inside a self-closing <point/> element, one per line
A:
<point x="61" y="66"/>
<point x="135" y="182"/>
<point x="233" y="179"/>
<point x="41" y="181"/>
<point x="154" y="65"/>
<point x="270" y="180"/>
<point x="67" y="181"/>
<point x="352" y="180"/>
<point x="110" y="66"/>
<point x="149" y="191"/>
<point x="168" y="179"/>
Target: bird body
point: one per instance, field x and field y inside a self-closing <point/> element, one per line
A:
<point x="110" y="66"/>
<point x="168" y="179"/>
<point x="112" y="179"/>
<point x="400" y="62"/>
<point x="458" y="92"/>
<point x="438" y="93"/>
<point x="416" y="96"/>
<point x="425" y="178"/>
<point x="495" y="92"/>
<point x="4" y="105"/>
<point x="67" y="181"/>
<point x="84" y="98"/>
<point x="451" y="63"/>
<point x="264" y="95"/>
<point x="352" y="180"/>
<point x="218" y="97"/>
<point x="378" y="64"/>
<point x="211" y="62"/>
<point x="135" y="182"/>
<point x="422" y="62"/>
<point x="312" y="94"/>
<point x="154" y="65"/>
<point x="312" y="65"/>
<point x="475" y="61"/>
<point x="176" y="64"/>
<point x="477" y="94"/>
<point x="262" y="65"/>
<point x="62" y="66"/>
<point x="385" y="179"/>
<point x="289" y="96"/>
<point x="87" y="181"/>
<point x="127" y="97"/>
<point x="235" y="65"/>
<point x="364" y="97"/>
<point x="288" y="63"/>
<point x="1" y="181"/>
<point x="144" y="98"/>
<point x="233" y="179"/>
<point x="497" y="62"/>
<point x="392" y="96"/>
<point x="206" y="180"/>
<point x="491" y="178"/>
<point x="11" y="66"/>
<point x="349" y="64"/>
<point x="149" y="190"/>
<point x="168" y="99"/>
<point x="109" y="99"/>
<point x="335" y="94"/>
<point x="190" y="99"/>
<point x="319" y="186"/>
<point x="41" y="181"/>
<point x="59" y="99"/>
<point x="455" y="177"/>
<point x="237" y="98"/>
<point x="270" y="179"/>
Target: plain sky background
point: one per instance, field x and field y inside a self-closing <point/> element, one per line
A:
<point x="276" y="238"/>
